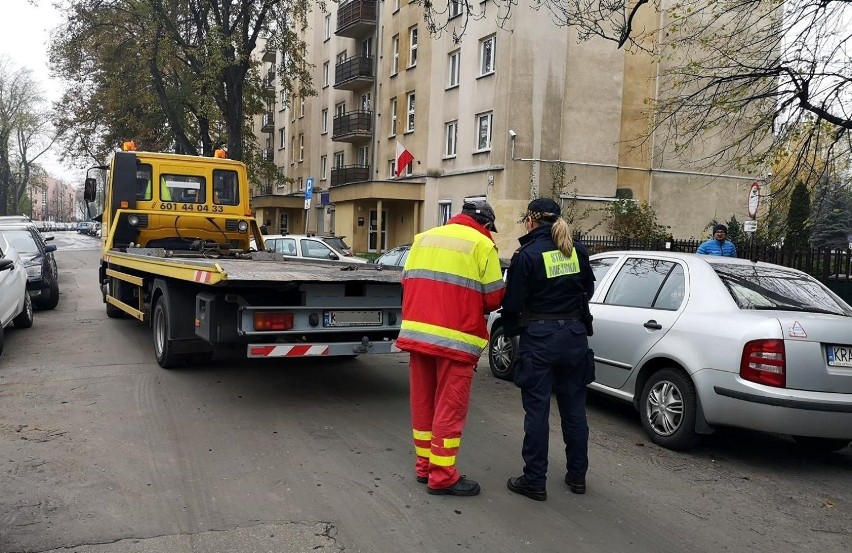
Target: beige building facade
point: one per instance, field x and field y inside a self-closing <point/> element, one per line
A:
<point x="489" y="117"/>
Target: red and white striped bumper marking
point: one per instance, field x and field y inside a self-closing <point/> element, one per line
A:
<point x="287" y="351"/>
<point x="203" y="276"/>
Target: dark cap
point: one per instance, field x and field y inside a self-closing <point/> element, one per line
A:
<point x="717" y="228"/>
<point x="481" y="208"/>
<point x="546" y="207"/>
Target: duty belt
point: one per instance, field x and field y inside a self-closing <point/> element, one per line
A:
<point x="576" y="314"/>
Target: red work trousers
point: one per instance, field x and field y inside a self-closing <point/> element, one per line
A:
<point x="440" y="397"/>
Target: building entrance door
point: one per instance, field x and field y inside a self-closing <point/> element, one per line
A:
<point x="373" y="236"/>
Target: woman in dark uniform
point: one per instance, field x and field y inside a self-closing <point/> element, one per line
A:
<point x="547" y="288"/>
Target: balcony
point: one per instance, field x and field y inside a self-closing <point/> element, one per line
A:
<point x="353" y="73"/>
<point x="349" y="173"/>
<point x="352" y="127"/>
<point x="267" y="154"/>
<point x="268" y="54"/>
<point x="269" y="80"/>
<point x="267" y="123"/>
<point x="356" y="19"/>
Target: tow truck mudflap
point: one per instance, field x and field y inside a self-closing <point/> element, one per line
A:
<point x="336" y="349"/>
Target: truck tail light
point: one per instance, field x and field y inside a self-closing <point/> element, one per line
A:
<point x="763" y="362"/>
<point x="273" y="320"/>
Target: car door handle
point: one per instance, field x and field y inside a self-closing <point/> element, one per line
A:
<point x="653" y="325"/>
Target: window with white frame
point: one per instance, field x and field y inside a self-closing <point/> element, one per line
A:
<point x="324" y="120"/>
<point x="445" y="211"/>
<point x="325" y="74"/>
<point x="412" y="46"/>
<point x="282" y="99"/>
<point x="409" y="124"/>
<point x="393" y="106"/>
<point x="327" y="27"/>
<point x="453" y="69"/>
<point x="451" y="137"/>
<point x="323" y="167"/>
<point x="301" y="183"/>
<point x="364" y="156"/>
<point x="394" y="55"/>
<point x="338" y="160"/>
<point x="282" y="137"/>
<point x="302" y="106"/>
<point x="340" y="109"/>
<point x="456" y="8"/>
<point x="301" y="147"/>
<point x="483" y="131"/>
<point x="487" y="55"/>
<point x="293" y="149"/>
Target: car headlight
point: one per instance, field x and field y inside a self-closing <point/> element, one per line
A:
<point x="34" y="270"/>
<point x="242" y="226"/>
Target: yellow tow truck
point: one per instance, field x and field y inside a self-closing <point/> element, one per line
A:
<point x="176" y="254"/>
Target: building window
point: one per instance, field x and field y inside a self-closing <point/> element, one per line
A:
<point x="483" y="131"/>
<point x="325" y="121"/>
<point x="395" y="55"/>
<point x="487" y="55"/>
<point x="392" y="168"/>
<point x="409" y="126"/>
<point x="393" y="117"/>
<point x="327" y="26"/>
<point x="341" y="57"/>
<point x="412" y="46"/>
<point x="451" y="136"/>
<point x="456" y="8"/>
<point x="340" y="109"/>
<point x="284" y="223"/>
<point x="282" y="136"/>
<point x="301" y="183"/>
<point x="302" y="106"/>
<point x="323" y="167"/>
<point x="301" y="147"/>
<point x="445" y="212"/>
<point x="325" y="74"/>
<point x="293" y="149"/>
<point x="282" y="99"/>
<point x="454" y="67"/>
<point x="364" y="156"/>
<point x="338" y="160"/>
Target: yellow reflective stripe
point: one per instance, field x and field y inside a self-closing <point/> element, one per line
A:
<point x="446" y="333"/>
<point x="452" y="442"/>
<point x="422" y="451"/>
<point x="422" y="434"/>
<point x="556" y="264"/>
<point x="454" y="243"/>
<point x="442" y="460"/>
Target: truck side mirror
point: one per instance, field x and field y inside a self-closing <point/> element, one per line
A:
<point x="90" y="189"/>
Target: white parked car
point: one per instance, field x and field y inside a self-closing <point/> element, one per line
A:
<point x="305" y="247"/>
<point x="16" y="307"/>
<point x="697" y="342"/>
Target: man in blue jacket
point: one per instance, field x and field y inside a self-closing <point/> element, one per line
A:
<point x="719" y="244"/>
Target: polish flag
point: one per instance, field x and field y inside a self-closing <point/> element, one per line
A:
<point x="403" y="158"/>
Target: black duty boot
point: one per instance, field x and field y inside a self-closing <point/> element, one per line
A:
<point x="463" y="487"/>
<point x="578" y="487"/>
<point x="520" y="485"/>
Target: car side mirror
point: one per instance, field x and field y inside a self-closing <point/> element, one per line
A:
<point x="6" y="264"/>
<point x="332" y="255"/>
<point x="90" y="188"/>
<point x="50" y="248"/>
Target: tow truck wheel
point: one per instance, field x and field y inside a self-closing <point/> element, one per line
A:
<point x="162" y="345"/>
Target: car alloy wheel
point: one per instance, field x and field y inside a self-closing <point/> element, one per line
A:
<point x="664" y="408"/>
<point x="501" y="352"/>
<point x="668" y="406"/>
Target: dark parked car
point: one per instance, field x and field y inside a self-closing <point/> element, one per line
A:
<point x="37" y="258"/>
<point x="395" y="257"/>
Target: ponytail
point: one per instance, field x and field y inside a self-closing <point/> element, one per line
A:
<point x="561" y="234"/>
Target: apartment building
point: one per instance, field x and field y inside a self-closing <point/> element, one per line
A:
<point x="488" y="117"/>
<point x="53" y="200"/>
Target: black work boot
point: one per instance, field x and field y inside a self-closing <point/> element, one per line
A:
<point x="521" y="486"/>
<point x="578" y="487"/>
<point x="462" y="487"/>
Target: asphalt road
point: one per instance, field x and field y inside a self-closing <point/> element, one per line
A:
<point x="103" y="451"/>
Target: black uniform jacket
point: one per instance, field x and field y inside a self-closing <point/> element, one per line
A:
<point x="528" y="289"/>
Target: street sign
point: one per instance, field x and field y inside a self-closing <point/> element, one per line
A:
<point x="753" y="199"/>
<point x="307" y="203"/>
<point x="309" y="188"/>
<point x="750" y="226"/>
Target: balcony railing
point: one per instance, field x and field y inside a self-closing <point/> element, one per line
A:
<point x="353" y="73"/>
<point x="269" y="80"/>
<point x="267" y="154"/>
<point x="349" y="173"/>
<point x="352" y="127"/>
<point x="267" y="123"/>
<point x="356" y="18"/>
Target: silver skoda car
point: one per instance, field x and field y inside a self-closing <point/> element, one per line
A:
<point x="699" y="342"/>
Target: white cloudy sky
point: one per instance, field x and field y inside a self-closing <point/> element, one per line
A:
<point x="24" y="35"/>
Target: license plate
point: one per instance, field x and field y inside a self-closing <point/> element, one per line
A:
<point x="839" y="356"/>
<point x="352" y="318"/>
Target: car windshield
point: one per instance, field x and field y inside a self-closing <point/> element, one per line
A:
<point x="758" y="287"/>
<point x="21" y="240"/>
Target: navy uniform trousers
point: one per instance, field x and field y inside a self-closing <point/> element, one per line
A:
<point x="554" y="356"/>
